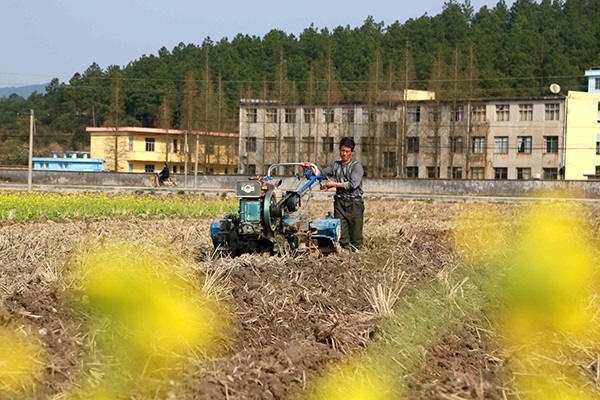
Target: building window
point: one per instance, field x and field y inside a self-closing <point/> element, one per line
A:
<point x="502" y="112"/>
<point x="209" y="149"/>
<point x="598" y="144"/>
<point x="150" y="142"/>
<point x="479" y="113"/>
<point x="251" y="169"/>
<point x="456" y="144"/>
<point x="328" y="145"/>
<point x="501" y="173"/>
<point x="523" y="173"/>
<point x="551" y="173"/>
<point x="433" y="172"/>
<point x="457" y="114"/>
<point x="597" y="84"/>
<point x="149" y="168"/>
<point x="433" y="145"/>
<point x="130" y="167"/>
<point x="271" y="115"/>
<point x="130" y="143"/>
<point x="501" y="144"/>
<point x="525" y="112"/>
<point x="389" y="130"/>
<point x="328" y="115"/>
<point x="412" y="172"/>
<point x="552" y="112"/>
<point x="290" y="146"/>
<point x="412" y="145"/>
<point x="290" y="115"/>
<point x="477" y="173"/>
<point x="368" y="116"/>
<point x="551" y="144"/>
<point x="251" y="115"/>
<point x="368" y="145"/>
<point x="597" y="171"/>
<point x="308" y="146"/>
<point x="389" y="159"/>
<point x="524" y="144"/>
<point x="478" y="144"/>
<point x="414" y="114"/>
<point x="251" y="145"/>
<point x="270" y="145"/>
<point x="455" y="172"/>
<point x="309" y="115"/>
<point x="348" y="115"/>
<point x="435" y="116"/>
<point x="175" y="147"/>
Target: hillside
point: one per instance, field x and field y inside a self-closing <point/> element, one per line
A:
<point x="23" y="91"/>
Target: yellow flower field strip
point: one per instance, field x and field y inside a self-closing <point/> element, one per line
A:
<point x="19" y="206"/>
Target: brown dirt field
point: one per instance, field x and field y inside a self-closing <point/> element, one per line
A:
<point x="293" y="318"/>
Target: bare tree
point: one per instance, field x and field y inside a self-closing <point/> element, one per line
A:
<point x="437" y="85"/>
<point x="115" y="147"/>
<point x="189" y="116"/>
<point x="371" y="147"/>
<point x="164" y="119"/>
<point x="407" y="75"/>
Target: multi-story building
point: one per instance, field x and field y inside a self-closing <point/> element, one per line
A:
<point x="411" y="134"/>
<point x="582" y="130"/>
<point x="134" y="149"/>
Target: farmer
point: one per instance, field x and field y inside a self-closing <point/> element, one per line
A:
<point x="345" y="175"/>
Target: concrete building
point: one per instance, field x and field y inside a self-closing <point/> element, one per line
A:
<point x="68" y="161"/>
<point x="582" y="155"/>
<point x="134" y="149"/>
<point x="412" y="134"/>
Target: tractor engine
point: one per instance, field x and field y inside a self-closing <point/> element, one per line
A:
<point x="265" y="224"/>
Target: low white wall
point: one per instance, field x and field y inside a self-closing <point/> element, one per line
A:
<point x="508" y="188"/>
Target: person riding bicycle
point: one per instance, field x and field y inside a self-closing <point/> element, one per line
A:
<point x="163" y="175"/>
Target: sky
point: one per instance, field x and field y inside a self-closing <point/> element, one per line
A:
<point x="45" y="39"/>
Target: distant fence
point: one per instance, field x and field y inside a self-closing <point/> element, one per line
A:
<point x="503" y="188"/>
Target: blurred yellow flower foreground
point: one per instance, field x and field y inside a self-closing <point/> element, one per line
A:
<point x="151" y="309"/>
<point x="547" y="294"/>
<point x="21" y="359"/>
<point x="550" y="292"/>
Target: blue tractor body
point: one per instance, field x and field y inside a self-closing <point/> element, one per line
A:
<point x="265" y="224"/>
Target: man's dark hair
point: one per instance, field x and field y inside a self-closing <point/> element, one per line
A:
<point x="347" y="142"/>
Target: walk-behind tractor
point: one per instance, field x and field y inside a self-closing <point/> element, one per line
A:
<point x="265" y="224"/>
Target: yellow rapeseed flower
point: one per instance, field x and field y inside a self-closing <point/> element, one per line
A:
<point x="20" y="360"/>
<point x="354" y="381"/>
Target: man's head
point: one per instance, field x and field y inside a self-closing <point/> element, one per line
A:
<point x="347" y="142"/>
<point x="346" y="149"/>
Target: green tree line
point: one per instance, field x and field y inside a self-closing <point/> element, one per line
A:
<point x="460" y="53"/>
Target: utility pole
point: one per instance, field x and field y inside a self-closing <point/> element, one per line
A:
<point x="186" y="153"/>
<point x="30" y="166"/>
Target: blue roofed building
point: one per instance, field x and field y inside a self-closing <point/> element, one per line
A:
<point x="78" y="161"/>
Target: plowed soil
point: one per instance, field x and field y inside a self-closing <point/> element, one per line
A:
<point x="293" y="317"/>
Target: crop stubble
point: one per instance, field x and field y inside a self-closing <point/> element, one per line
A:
<point x="293" y="317"/>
